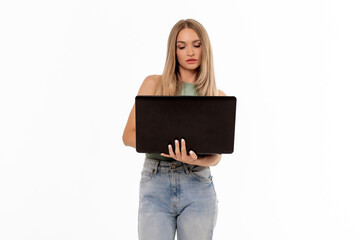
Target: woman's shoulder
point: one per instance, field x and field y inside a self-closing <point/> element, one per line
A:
<point x="153" y="79"/>
<point x="149" y="85"/>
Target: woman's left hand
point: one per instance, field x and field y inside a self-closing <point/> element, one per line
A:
<point x="181" y="154"/>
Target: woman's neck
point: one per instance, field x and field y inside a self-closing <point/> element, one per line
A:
<point x="188" y="76"/>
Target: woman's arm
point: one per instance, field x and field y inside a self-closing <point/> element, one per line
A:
<point x="148" y="87"/>
<point x="129" y="134"/>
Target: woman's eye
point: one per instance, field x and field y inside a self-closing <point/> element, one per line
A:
<point x="197" y="46"/>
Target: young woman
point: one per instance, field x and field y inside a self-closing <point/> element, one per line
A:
<point x="176" y="189"/>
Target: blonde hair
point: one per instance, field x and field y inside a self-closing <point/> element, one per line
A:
<point x="170" y="83"/>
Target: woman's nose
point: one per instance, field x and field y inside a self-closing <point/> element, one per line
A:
<point x="190" y="52"/>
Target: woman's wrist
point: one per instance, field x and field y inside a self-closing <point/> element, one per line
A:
<point x="208" y="160"/>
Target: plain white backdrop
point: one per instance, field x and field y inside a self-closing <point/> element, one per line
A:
<point x="69" y="74"/>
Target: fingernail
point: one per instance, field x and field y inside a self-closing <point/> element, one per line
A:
<point x="169" y="145"/>
<point x="182" y="140"/>
<point x="191" y="152"/>
<point x="176" y="141"/>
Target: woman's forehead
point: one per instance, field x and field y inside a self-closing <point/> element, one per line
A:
<point x="187" y="35"/>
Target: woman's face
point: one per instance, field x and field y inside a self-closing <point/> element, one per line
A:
<point x="188" y="46"/>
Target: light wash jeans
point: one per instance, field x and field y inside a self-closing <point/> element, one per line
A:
<point x="176" y="197"/>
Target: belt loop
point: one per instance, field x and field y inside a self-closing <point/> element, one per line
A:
<point x="156" y="166"/>
<point x="186" y="168"/>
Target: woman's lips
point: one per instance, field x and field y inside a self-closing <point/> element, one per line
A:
<point x="191" y="61"/>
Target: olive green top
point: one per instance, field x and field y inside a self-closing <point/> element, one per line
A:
<point x="188" y="89"/>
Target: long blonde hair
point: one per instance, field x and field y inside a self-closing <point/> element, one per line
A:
<point x="170" y="83"/>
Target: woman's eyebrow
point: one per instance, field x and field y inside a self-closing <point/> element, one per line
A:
<point x="184" y="42"/>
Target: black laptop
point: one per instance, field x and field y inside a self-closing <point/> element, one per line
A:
<point x="207" y="123"/>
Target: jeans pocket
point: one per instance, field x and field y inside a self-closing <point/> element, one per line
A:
<point x="201" y="174"/>
<point x="146" y="175"/>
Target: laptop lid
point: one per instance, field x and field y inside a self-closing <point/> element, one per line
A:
<point x="207" y="123"/>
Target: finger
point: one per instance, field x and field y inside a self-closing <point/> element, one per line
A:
<point x="183" y="149"/>
<point x="171" y="152"/>
<point x="193" y="155"/>
<point x="165" y="155"/>
<point x="177" y="149"/>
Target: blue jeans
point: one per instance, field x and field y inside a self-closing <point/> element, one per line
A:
<point x="176" y="197"/>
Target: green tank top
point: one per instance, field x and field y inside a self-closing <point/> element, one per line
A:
<point x="188" y="89"/>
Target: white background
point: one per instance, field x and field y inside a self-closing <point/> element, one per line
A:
<point x="70" y="71"/>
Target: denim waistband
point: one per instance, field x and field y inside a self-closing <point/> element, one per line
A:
<point x="168" y="165"/>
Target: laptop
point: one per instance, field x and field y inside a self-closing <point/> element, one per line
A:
<point x="207" y="123"/>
